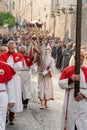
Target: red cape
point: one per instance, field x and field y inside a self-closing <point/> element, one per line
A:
<point x="6" y="72"/>
<point x="69" y="71"/>
<point x="16" y="57"/>
<point x="28" y="60"/>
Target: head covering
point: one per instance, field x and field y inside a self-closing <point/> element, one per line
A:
<point x="48" y="48"/>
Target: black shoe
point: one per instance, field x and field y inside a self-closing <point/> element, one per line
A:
<point x="25" y="105"/>
<point x="11" y="123"/>
<point x="25" y="102"/>
<point x="6" y="120"/>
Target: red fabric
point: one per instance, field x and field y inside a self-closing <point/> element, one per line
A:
<point x="84" y="69"/>
<point x="16" y="57"/>
<point x="6" y="72"/>
<point x="31" y="52"/>
<point x="51" y="45"/>
<point x="49" y="72"/>
<point x="28" y="60"/>
<point x="69" y="71"/>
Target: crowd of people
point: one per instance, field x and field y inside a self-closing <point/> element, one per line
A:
<point x="19" y="51"/>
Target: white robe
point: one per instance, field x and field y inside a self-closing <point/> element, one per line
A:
<point x="77" y="111"/>
<point x="17" y="81"/>
<point x="45" y="84"/>
<point x="5" y="98"/>
<point x="26" y="81"/>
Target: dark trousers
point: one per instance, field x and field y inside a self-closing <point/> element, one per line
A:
<point x="75" y="127"/>
<point x="25" y="102"/>
<point x="11" y="116"/>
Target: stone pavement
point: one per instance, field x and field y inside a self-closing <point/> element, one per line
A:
<point x="33" y="118"/>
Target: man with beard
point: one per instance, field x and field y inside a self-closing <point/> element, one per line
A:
<point x="45" y="84"/>
<point x="15" y="60"/>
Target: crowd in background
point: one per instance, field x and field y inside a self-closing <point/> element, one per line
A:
<point x="62" y="51"/>
<point x="21" y="49"/>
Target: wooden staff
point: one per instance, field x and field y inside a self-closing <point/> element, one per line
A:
<point x="78" y="44"/>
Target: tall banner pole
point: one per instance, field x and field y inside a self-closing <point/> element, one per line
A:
<point x="78" y="44"/>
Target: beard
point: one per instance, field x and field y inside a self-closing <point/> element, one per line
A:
<point x="47" y="59"/>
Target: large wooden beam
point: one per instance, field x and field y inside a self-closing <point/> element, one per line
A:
<point x="78" y="44"/>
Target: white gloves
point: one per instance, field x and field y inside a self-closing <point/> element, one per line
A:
<point x="44" y="72"/>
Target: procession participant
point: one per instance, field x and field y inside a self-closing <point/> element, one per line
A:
<point x="4" y="49"/>
<point x="26" y="76"/>
<point x="85" y="59"/>
<point x="67" y="53"/>
<point x="0" y="50"/>
<point x="15" y="60"/>
<point x="7" y="91"/>
<point x="59" y="56"/>
<point x="45" y="84"/>
<point x="74" y="109"/>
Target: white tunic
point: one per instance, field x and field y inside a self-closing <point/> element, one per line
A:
<point x="6" y="97"/>
<point x="76" y="111"/>
<point x="26" y="81"/>
<point x="45" y="84"/>
<point x="17" y="67"/>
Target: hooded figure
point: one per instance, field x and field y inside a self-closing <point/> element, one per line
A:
<point x="45" y="84"/>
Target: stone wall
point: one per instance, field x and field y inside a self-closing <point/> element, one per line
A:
<point x="65" y="27"/>
<point x="2" y="5"/>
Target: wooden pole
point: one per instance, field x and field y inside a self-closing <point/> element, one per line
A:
<point x="78" y="44"/>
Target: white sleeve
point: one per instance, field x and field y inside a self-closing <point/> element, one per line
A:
<point x="63" y="84"/>
<point x="11" y="92"/>
<point x="72" y="61"/>
<point x="18" y="66"/>
<point x="84" y="93"/>
<point x="52" y="67"/>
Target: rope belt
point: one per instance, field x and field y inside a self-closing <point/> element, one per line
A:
<point x="73" y="88"/>
<point x="25" y="70"/>
<point x="2" y="90"/>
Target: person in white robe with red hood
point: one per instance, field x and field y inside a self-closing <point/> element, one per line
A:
<point x="7" y="91"/>
<point x="26" y="76"/>
<point x="15" y="60"/>
<point x="74" y="115"/>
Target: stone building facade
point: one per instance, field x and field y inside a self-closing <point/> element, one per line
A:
<point x="3" y="5"/>
<point x="63" y="25"/>
<point x="33" y="10"/>
<point x="66" y="25"/>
